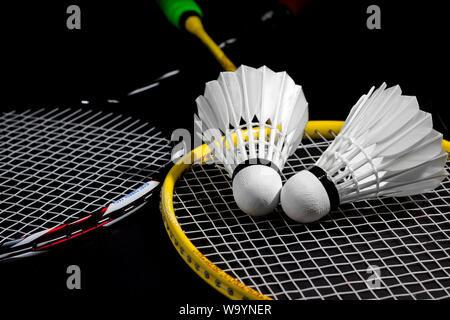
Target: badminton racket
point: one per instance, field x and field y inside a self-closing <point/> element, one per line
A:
<point x="386" y="248"/>
<point x="66" y="172"/>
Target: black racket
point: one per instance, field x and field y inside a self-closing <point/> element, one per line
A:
<point x="66" y="172"/>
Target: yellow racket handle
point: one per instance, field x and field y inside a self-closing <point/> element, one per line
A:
<point x="194" y="25"/>
<point x="186" y="14"/>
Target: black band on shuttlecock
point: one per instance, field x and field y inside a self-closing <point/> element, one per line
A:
<point x="329" y="186"/>
<point x="254" y="161"/>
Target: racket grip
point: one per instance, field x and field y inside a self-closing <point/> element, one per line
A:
<point x="186" y="14"/>
<point x="175" y="10"/>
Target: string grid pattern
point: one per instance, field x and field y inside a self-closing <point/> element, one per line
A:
<point x="386" y="248"/>
<point x="60" y="165"/>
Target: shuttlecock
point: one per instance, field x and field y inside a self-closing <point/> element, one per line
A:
<point x="256" y="119"/>
<point x="387" y="147"/>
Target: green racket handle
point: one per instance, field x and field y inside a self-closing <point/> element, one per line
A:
<point x="186" y="15"/>
<point x="175" y="10"/>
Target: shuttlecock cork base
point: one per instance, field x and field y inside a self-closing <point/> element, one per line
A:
<point x="256" y="189"/>
<point x="309" y="195"/>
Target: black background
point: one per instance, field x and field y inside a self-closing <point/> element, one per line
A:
<point x="122" y="46"/>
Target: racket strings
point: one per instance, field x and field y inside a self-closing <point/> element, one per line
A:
<point x="61" y="165"/>
<point x="377" y="249"/>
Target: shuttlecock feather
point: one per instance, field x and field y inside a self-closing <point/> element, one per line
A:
<point x="387" y="147"/>
<point x="256" y="119"/>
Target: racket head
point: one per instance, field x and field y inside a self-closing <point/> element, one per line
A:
<point x="66" y="172"/>
<point x="385" y="226"/>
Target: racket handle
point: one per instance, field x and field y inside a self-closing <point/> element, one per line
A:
<point x="187" y="14"/>
<point x="194" y="25"/>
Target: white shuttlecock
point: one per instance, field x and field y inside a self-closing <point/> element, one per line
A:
<point x="239" y="102"/>
<point x="387" y="147"/>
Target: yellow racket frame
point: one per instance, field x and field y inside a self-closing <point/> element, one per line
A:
<point x="207" y="270"/>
